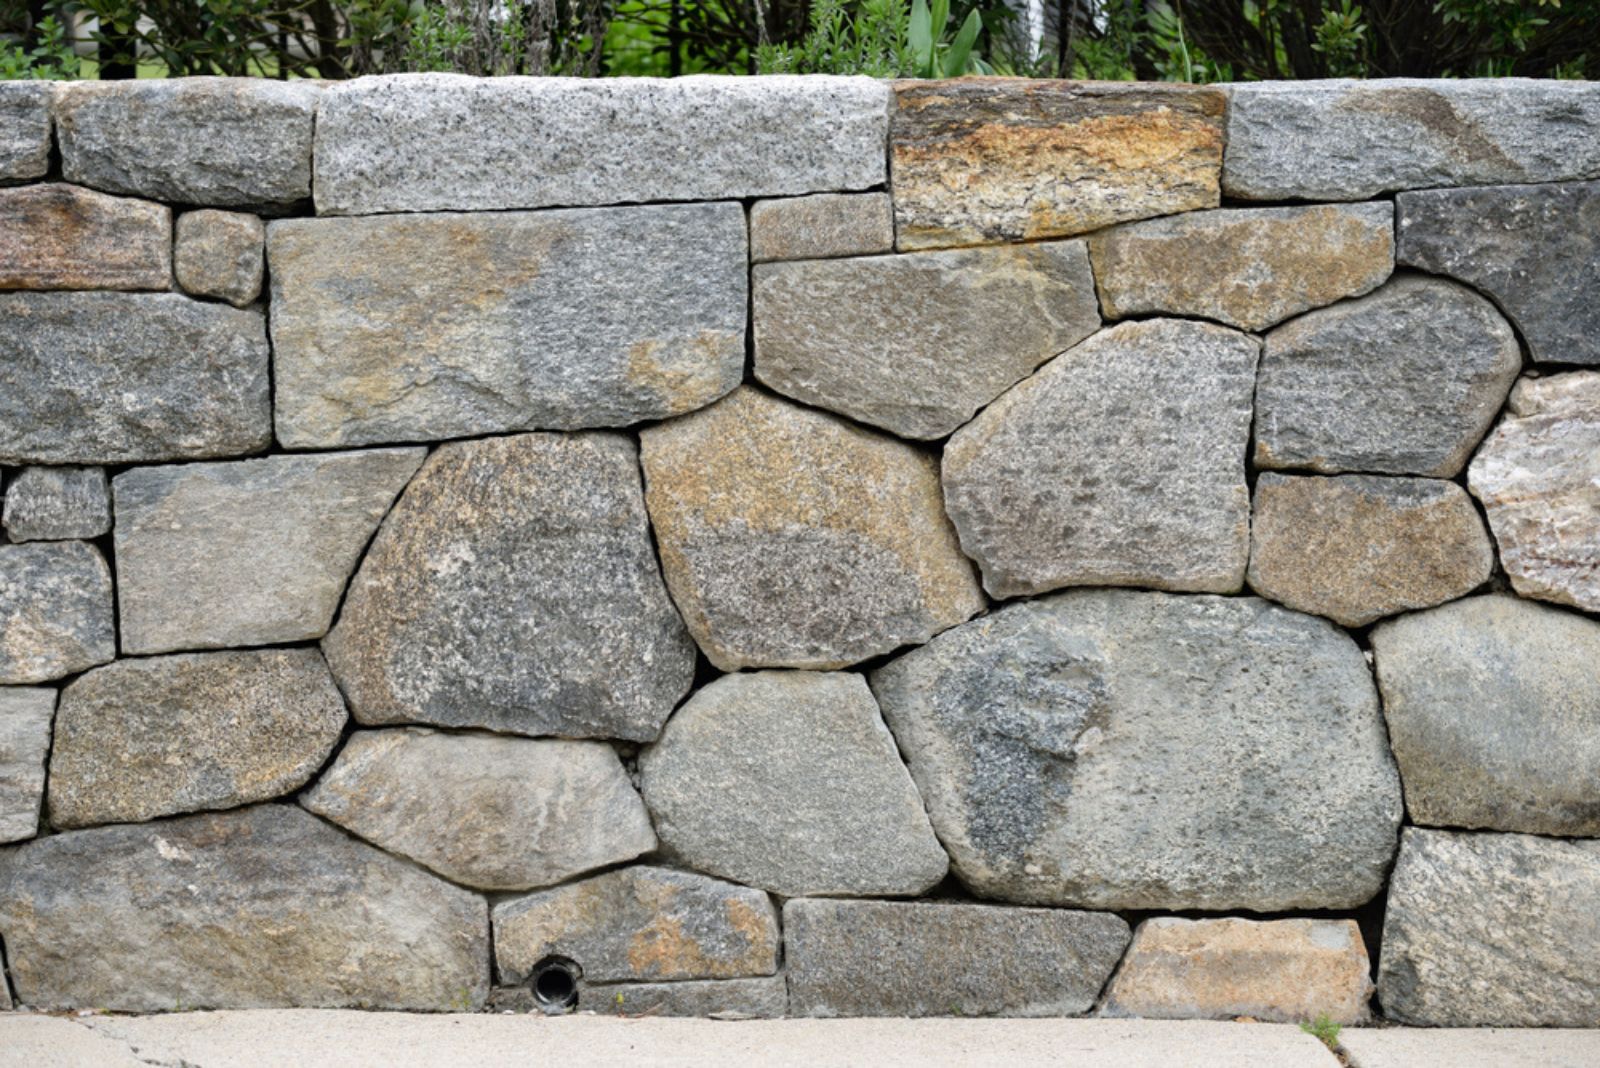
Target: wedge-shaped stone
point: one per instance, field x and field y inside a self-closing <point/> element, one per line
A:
<point x="1492" y="930"/>
<point x="763" y="998"/>
<point x="1284" y="971"/>
<point x="514" y="587"/>
<point x="640" y="923"/>
<point x="1132" y="750"/>
<point x="252" y="552"/>
<point x="108" y="378"/>
<point x="1351" y="140"/>
<point x="219" y="142"/>
<point x="1536" y="477"/>
<point x="559" y="319"/>
<point x="219" y="254"/>
<point x="442" y="142"/>
<point x="1356" y="548"/>
<point x="1492" y="708"/>
<point x="1403" y="381"/>
<point x="1247" y="267"/>
<point x="57" y="503"/>
<point x="486" y="810"/>
<point x="24" y="130"/>
<point x="1121" y="462"/>
<point x="894" y="958"/>
<point x="263" y="907"/>
<point x="25" y="717"/>
<point x="821" y="226"/>
<point x="788" y="780"/>
<point x="790" y="538"/>
<point x="63" y="237"/>
<point x="915" y="344"/>
<point x="55" y="611"/>
<point x="143" y="738"/>
<point x="978" y="161"/>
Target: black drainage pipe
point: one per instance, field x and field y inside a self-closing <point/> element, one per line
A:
<point x="554" y="982"/>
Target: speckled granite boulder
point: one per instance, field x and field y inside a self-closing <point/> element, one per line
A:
<point x="55" y="611"/>
<point x="57" y="503"/>
<point x="24" y="130"/>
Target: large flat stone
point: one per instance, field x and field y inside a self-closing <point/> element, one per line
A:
<point x="1352" y="140"/>
<point x="63" y="237"/>
<point x="549" y="320"/>
<point x="791" y="538"/>
<point x="158" y="736"/>
<point x="24" y="130"/>
<point x="1492" y="706"/>
<point x="763" y="998"/>
<point x="1120" y="462"/>
<point x="514" y="587"/>
<point x="983" y="160"/>
<point x="1492" y="930"/>
<point x="890" y="958"/>
<point x="259" y="908"/>
<point x="1402" y="381"/>
<point x="1356" y="548"/>
<point x="1536" y="478"/>
<point x="443" y="142"/>
<point x="1247" y="267"/>
<point x="1134" y="750"/>
<point x="220" y="254"/>
<point x="25" y="718"/>
<point x="218" y="142"/>
<point x="252" y="552"/>
<point x="917" y="343"/>
<point x="57" y="503"/>
<point x="55" y="611"/>
<point x="485" y="810"/>
<point x="640" y="923"/>
<point x="788" y="780"/>
<point x="92" y="378"/>
<point x="1284" y="971"/>
<point x="821" y="226"/>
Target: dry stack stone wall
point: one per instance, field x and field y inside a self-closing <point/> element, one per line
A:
<point x="814" y="546"/>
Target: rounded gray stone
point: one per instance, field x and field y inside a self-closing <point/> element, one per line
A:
<point x="220" y="254"/>
<point x="57" y="504"/>
<point x="25" y="130"/>
<point x="55" y="611"/>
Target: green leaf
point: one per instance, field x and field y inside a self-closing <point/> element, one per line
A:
<point x="939" y="17"/>
<point x="921" y="38"/>
<point x="956" y="61"/>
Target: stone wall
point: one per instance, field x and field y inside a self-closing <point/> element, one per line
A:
<point x="811" y="546"/>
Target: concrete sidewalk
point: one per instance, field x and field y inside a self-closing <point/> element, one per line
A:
<point x="311" y="1039"/>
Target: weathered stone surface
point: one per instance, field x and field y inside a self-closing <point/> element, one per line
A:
<point x="1121" y="462"/>
<point x="893" y="958"/>
<point x="917" y="343"/>
<point x="1492" y="930"/>
<point x="63" y="237"/>
<point x="1524" y="245"/>
<point x="1247" y="267"/>
<point x="1351" y="140"/>
<point x="1537" y="478"/>
<point x="1356" y="548"/>
<point x="1122" y="749"/>
<point x="252" y="552"/>
<point x="24" y="132"/>
<point x="640" y="923"/>
<point x="92" y="378"/>
<point x="486" y="810"/>
<point x="441" y="142"/>
<point x="764" y="998"/>
<point x="559" y="319"/>
<point x="55" y="611"/>
<point x="264" y="907"/>
<point x="1403" y="381"/>
<point x="221" y="142"/>
<point x="143" y="738"/>
<point x="514" y="587"/>
<point x="1492" y="707"/>
<point x="790" y="538"/>
<point x="982" y="160"/>
<point x="788" y="780"/>
<point x="1286" y="971"/>
<point x="821" y="226"/>
<point x="25" y="715"/>
<point x="57" y="503"/>
<point x="219" y="254"/>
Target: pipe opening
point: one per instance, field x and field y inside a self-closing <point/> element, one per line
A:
<point x="555" y="984"/>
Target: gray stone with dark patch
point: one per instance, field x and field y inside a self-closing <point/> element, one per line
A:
<point x="25" y="717"/>
<point x="788" y="780"/>
<point x="55" y="611"/>
<point x="57" y="503"/>
<point x="24" y="134"/>
<point x="763" y="998"/>
<point x="1136" y="750"/>
<point x="514" y="587"/>
<point x="263" y="907"/>
<point x="919" y="958"/>
<point x="821" y="226"/>
<point x="220" y="254"/>
<point x="1402" y="381"/>
<point x="1492" y="930"/>
<point x="159" y="736"/>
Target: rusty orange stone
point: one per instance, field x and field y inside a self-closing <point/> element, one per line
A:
<point x="60" y="236"/>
